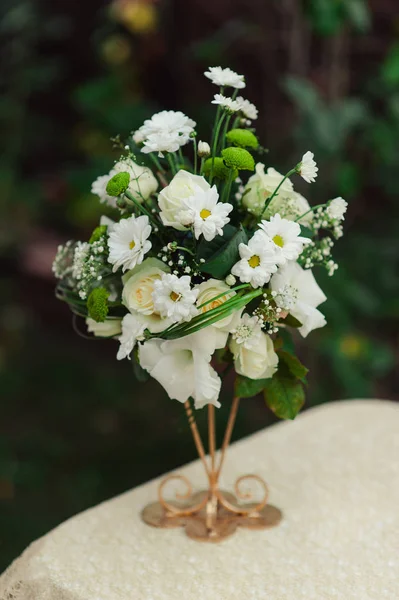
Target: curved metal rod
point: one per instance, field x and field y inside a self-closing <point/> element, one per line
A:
<point x="244" y="496"/>
<point x="171" y="508"/>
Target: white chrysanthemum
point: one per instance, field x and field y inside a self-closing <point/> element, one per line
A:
<point x="203" y="211"/>
<point x="247" y="330"/>
<point x="336" y="209"/>
<point x="132" y="331"/>
<point x="248" y="109"/>
<point x="285" y="236"/>
<point x="225" y="77"/>
<point x="226" y="103"/>
<point x="258" y="261"/>
<point x="183" y="367"/>
<point x="128" y="242"/>
<point x="295" y="289"/>
<point x="174" y="299"/>
<point x="98" y="187"/>
<point x="166" y="131"/>
<point x="308" y="168"/>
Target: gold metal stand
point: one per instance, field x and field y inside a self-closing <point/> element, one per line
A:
<point x="212" y="515"/>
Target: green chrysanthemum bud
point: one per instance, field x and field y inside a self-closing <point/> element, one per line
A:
<point x="98" y="233"/>
<point x="219" y="168"/>
<point x="242" y="138"/>
<point x="238" y="158"/>
<point x="118" y="184"/>
<point x="97" y="304"/>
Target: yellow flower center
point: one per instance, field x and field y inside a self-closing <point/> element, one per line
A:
<point x="254" y="261"/>
<point x="132" y="245"/>
<point x="278" y="240"/>
<point x="205" y="213"/>
<point x="174" y="296"/>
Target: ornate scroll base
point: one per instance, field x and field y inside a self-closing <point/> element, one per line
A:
<point x="212" y="515"/>
<point x="223" y="524"/>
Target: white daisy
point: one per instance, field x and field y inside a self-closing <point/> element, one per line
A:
<point x="132" y="331"/>
<point x="247" y="331"/>
<point x="205" y="213"/>
<point x="166" y="131"/>
<point x="307" y="168"/>
<point x="258" y="261"/>
<point x="248" y="109"/>
<point x="174" y="299"/>
<point x="98" y="187"/>
<point x="225" y="77"/>
<point x="285" y="237"/>
<point x="337" y="208"/>
<point x="226" y="103"/>
<point x="128" y="242"/>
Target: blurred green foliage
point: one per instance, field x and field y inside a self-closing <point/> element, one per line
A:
<point x="75" y="427"/>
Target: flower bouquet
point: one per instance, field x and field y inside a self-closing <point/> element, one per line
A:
<point x="205" y="267"/>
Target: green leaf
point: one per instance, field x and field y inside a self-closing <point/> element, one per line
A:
<point x="291" y="321"/>
<point x="359" y="14"/>
<point x="306" y="232"/>
<point x="140" y="374"/>
<point x="246" y="388"/>
<point x="220" y="263"/>
<point x="285" y="396"/>
<point x="295" y="367"/>
<point x="207" y="249"/>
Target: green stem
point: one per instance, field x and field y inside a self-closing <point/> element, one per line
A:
<point x="215" y="143"/>
<point x="310" y="210"/>
<point x="185" y="250"/>
<point x="171" y="163"/>
<point x="181" y="158"/>
<point x="268" y="200"/>
<point x="156" y="162"/>
<point x="227" y="187"/>
<point x="195" y="155"/>
<point x="143" y="210"/>
<point x="225" y="128"/>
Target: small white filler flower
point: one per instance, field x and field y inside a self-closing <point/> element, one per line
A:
<point x="128" y="242"/>
<point x="285" y="236"/>
<point x="258" y="261"/>
<point x="205" y="213"/>
<point x="174" y="299"/>
<point x="225" y="77"/>
<point x="307" y="168"/>
<point x="247" y="330"/>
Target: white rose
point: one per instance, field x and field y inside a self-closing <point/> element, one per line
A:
<point x="290" y="207"/>
<point x="208" y="290"/>
<point x="261" y="185"/>
<point x="171" y="198"/>
<point x="137" y="293"/>
<point x="259" y="361"/>
<point x="109" y="328"/>
<point x="142" y="181"/>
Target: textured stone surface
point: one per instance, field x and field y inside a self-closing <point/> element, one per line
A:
<point x="335" y="474"/>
